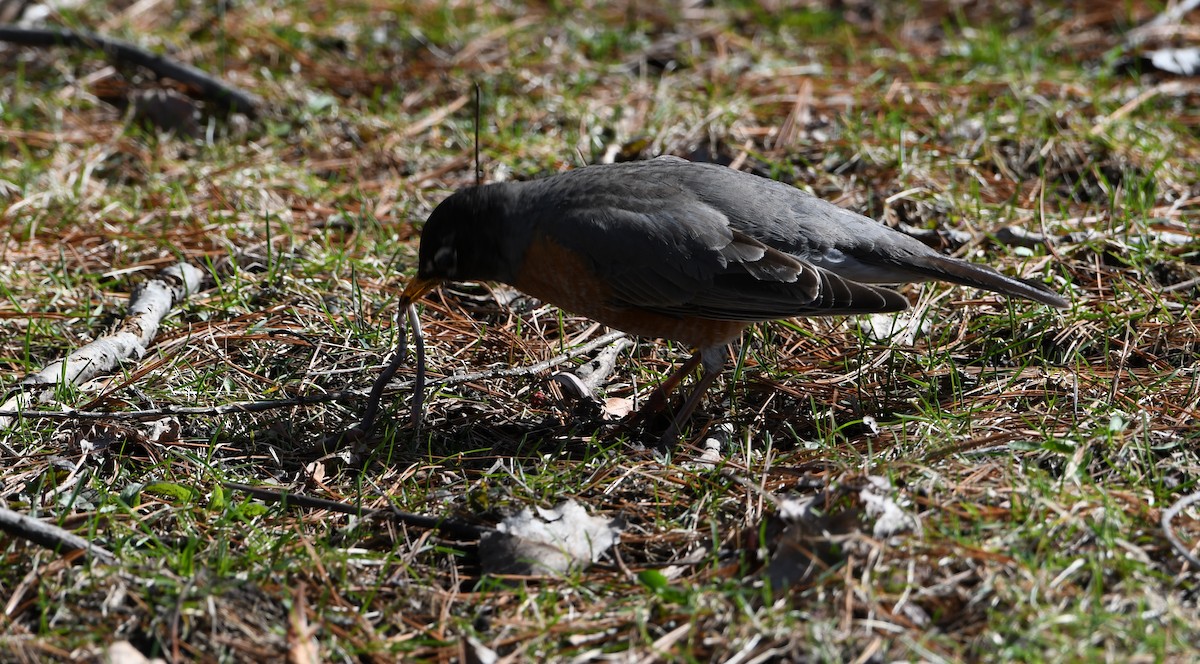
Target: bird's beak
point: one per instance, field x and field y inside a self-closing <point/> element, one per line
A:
<point x="415" y="289"/>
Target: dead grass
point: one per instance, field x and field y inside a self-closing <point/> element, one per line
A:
<point x="1037" y="449"/>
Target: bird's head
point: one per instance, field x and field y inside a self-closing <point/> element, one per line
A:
<point x="469" y="237"/>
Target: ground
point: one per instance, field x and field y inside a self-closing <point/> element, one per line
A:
<point x="1031" y="452"/>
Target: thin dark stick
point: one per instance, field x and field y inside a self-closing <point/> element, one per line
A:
<point x="184" y="411"/>
<point x="1168" y="515"/>
<point x="478" y="169"/>
<point x="290" y="499"/>
<point x="376" y="395"/>
<point x="418" y="401"/>
<point x="50" y="536"/>
<point x="304" y="400"/>
<point x="221" y="94"/>
<point x="538" y="367"/>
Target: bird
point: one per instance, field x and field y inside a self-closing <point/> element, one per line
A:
<point x="685" y="251"/>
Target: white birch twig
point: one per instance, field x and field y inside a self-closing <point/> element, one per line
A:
<point x="148" y="305"/>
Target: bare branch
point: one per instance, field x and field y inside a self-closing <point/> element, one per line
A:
<point x="307" y="399"/>
<point x="289" y="499"/>
<point x="222" y="94"/>
<point x="1168" y="515"/>
<point x="50" y="536"/>
<point x="148" y="305"/>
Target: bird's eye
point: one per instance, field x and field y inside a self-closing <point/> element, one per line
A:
<point x="445" y="261"/>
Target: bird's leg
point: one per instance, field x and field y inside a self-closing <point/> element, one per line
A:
<point x="713" y="360"/>
<point x="657" y="400"/>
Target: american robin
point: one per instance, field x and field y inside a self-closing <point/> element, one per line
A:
<point x="685" y="251"/>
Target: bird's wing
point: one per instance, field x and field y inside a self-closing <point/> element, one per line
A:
<point x="855" y="247"/>
<point x="660" y="249"/>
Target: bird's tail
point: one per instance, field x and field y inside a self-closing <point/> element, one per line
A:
<point x="945" y="268"/>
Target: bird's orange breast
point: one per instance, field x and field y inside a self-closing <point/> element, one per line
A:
<point x="554" y="274"/>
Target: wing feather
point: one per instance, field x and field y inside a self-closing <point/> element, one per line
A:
<point x="681" y="257"/>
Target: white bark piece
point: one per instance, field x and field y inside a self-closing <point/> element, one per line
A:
<point x="148" y="305"/>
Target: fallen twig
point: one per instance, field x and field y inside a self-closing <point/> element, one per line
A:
<point x="363" y="428"/>
<point x="185" y="411"/>
<point x="50" y="536"/>
<point x="1167" y="87"/>
<point x="599" y="369"/>
<point x="1171" y="15"/>
<point x="210" y="88"/>
<point x="290" y="499"/>
<point x="537" y="367"/>
<point x="586" y="379"/>
<point x="371" y="411"/>
<point x="308" y="399"/>
<point x="1183" y="285"/>
<point x="148" y="305"/>
<point x="418" y="403"/>
<point x="1168" y="515"/>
